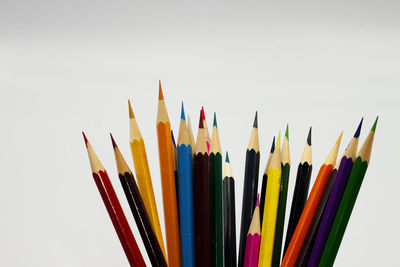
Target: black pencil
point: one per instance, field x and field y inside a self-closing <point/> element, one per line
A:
<point x="229" y="216"/>
<point x="300" y="191"/>
<point x="201" y="190"/>
<point x="138" y="209"/>
<point x="250" y="187"/>
<point x="264" y="181"/>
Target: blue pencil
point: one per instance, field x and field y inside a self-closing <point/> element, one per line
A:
<point x="185" y="191"/>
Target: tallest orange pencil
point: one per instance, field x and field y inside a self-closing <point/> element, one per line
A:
<point x="168" y="182"/>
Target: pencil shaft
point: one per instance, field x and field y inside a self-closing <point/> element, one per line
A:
<point x="262" y="198"/>
<point x="186" y="218"/>
<point x="344" y="212"/>
<point x="169" y="192"/>
<point x="142" y="220"/>
<point x="229" y="222"/>
<point x="202" y="209"/>
<point x="252" y="250"/>
<point x="216" y="209"/>
<point x="143" y="177"/>
<point x="280" y="219"/>
<point x="249" y="198"/>
<point x="118" y="219"/>
<point x="330" y="210"/>
<point x="299" y="199"/>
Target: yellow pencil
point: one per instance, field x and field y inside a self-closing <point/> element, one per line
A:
<point x="143" y="177"/>
<point x="271" y="208"/>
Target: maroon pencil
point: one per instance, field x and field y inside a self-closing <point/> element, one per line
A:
<point x="114" y="209"/>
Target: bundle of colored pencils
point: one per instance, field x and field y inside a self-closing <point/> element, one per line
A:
<point x="199" y="198"/>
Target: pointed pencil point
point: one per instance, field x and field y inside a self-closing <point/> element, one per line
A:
<point x="374" y="126"/>
<point x="84" y="138"/>
<point x="309" y="137"/>
<point x="201" y="125"/>
<point x="203" y="114"/>
<point x="227" y="157"/>
<point x="258" y="200"/>
<point x="113" y="142"/>
<point x="131" y="115"/>
<point x="255" y="124"/>
<point x="287" y="132"/>
<point x="173" y="138"/>
<point x="160" y="93"/>
<point x="358" y="131"/>
<point x="272" y="146"/>
<point x="183" y="113"/>
<point x="215" y="120"/>
<point x="339" y="138"/>
<point x="278" y="143"/>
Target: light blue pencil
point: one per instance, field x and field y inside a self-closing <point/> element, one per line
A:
<point x="185" y="191"/>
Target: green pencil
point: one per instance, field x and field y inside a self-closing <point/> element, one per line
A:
<point x="280" y="218"/>
<point x="348" y="200"/>
<point x="216" y="231"/>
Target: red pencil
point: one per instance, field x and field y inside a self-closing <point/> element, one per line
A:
<point x="114" y="209"/>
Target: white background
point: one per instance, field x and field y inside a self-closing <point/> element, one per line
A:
<point x="68" y="66"/>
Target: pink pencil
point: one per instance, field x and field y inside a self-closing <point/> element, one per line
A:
<point x="253" y="239"/>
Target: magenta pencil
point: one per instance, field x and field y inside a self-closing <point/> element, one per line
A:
<point x="253" y="239"/>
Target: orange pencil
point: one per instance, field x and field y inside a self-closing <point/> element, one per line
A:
<point x="311" y="206"/>
<point x="168" y="182"/>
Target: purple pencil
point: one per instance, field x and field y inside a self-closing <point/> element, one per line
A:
<point x="335" y="196"/>
<point x="253" y="239"/>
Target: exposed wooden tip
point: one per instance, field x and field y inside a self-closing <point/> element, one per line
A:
<point x="131" y="115"/>
<point x="255" y="222"/>
<point x="160" y="93"/>
<point x="331" y="159"/>
<point x="122" y="166"/>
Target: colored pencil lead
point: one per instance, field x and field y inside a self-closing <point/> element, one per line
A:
<point x="131" y="115"/>
<point x="160" y="93"/>
<point x="255" y="124"/>
<point x="183" y="113"/>
<point x="309" y="137"/>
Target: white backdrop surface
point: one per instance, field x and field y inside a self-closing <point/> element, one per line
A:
<point x="68" y="66"/>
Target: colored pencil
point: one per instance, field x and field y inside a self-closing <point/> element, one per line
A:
<point x="185" y="189"/>
<point x="253" y="239"/>
<point x="348" y="200"/>
<point x="168" y="182"/>
<point x="208" y="139"/>
<point x="229" y="216"/>
<point x="300" y="190"/>
<point x="264" y="181"/>
<point x="280" y="217"/>
<point x="138" y="209"/>
<point x="202" y="198"/>
<point x="335" y="196"/>
<point x="250" y="187"/>
<point x="271" y="208"/>
<point x="175" y="155"/>
<point x="311" y="207"/>
<point x="114" y="209"/>
<point x="191" y="136"/>
<point x="143" y="177"/>
<point x="216" y="245"/>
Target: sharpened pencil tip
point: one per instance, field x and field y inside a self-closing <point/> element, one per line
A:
<point x="339" y="138"/>
<point x="201" y="125"/>
<point x="309" y="137"/>
<point x="183" y="113"/>
<point x="358" y="131"/>
<point x="113" y="142"/>
<point x="374" y="126"/>
<point x="227" y="157"/>
<point x="278" y="143"/>
<point x="131" y="115"/>
<point x="258" y="200"/>
<point x="173" y="138"/>
<point x="272" y="146"/>
<point x="203" y="114"/>
<point x="84" y="138"/>
<point x="215" y="120"/>
<point x="287" y="132"/>
<point x="255" y="124"/>
<point x="160" y="93"/>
